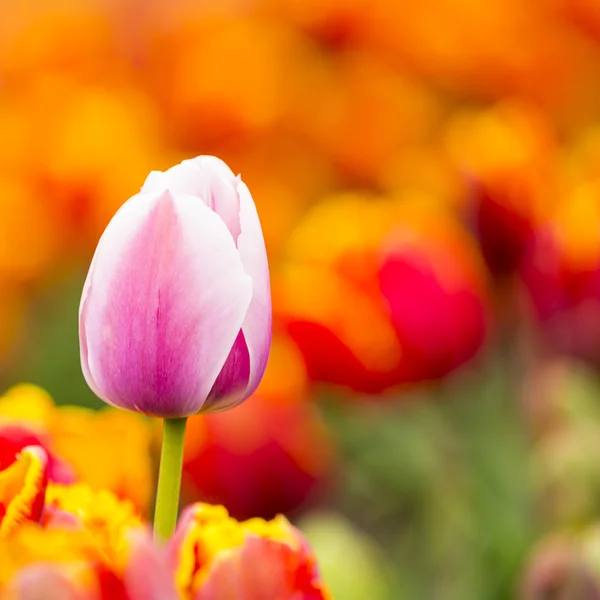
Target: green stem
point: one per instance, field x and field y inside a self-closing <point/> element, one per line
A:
<point x="169" y="478"/>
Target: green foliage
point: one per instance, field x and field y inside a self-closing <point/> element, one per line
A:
<point x="49" y="354"/>
<point x="442" y="481"/>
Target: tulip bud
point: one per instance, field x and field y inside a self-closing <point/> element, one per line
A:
<point x="175" y="316"/>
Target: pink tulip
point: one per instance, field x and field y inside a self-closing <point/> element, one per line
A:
<point x="175" y="316"/>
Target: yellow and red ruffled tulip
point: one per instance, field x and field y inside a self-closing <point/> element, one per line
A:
<point x="75" y="440"/>
<point x="343" y="296"/>
<point x="337" y="23"/>
<point x="103" y="516"/>
<point x="214" y="557"/>
<point x="89" y="545"/>
<point x="71" y="561"/>
<point x="23" y="489"/>
<point x="508" y="155"/>
<point x="266" y="457"/>
<point x="93" y="543"/>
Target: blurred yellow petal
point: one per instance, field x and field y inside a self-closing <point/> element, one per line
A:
<point x="103" y="516"/>
<point x="123" y="466"/>
<point x="27" y="402"/>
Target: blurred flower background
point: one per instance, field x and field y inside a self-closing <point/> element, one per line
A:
<point x="428" y="179"/>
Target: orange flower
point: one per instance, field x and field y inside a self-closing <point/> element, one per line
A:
<point x="213" y="101"/>
<point x="103" y="517"/>
<point x="267" y="456"/>
<point x="68" y="562"/>
<point x="215" y="557"/>
<point x="22" y="489"/>
<point x="91" y="544"/>
<point x="69" y="36"/>
<point x="494" y="49"/>
<point x="360" y="112"/>
<point x="94" y="151"/>
<point x="25" y="258"/>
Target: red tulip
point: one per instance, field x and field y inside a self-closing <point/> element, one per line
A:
<point x="270" y="454"/>
<point x="216" y="558"/>
<point x="383" y="292"/>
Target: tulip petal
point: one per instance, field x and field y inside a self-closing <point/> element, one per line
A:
<point x="15" y="436"/>
<point x="232" y="382"/>
<point x="180" y="179"/>
<point x="147" y="576"/>
<point x="223" y="192"/>
<point x="258" y="322"/>
<point x="156" y="331"/>
<point x="44" y="582"/>
<point x="209" y="179"/>
<point x="261" y="569"/>
<point x="23" y="489"/>
<point x="249" y="356"/>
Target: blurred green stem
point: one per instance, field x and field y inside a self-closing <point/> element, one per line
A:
<point x="169" y="478"/>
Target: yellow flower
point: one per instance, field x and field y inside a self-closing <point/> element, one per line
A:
<point x="213" y="554"/>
